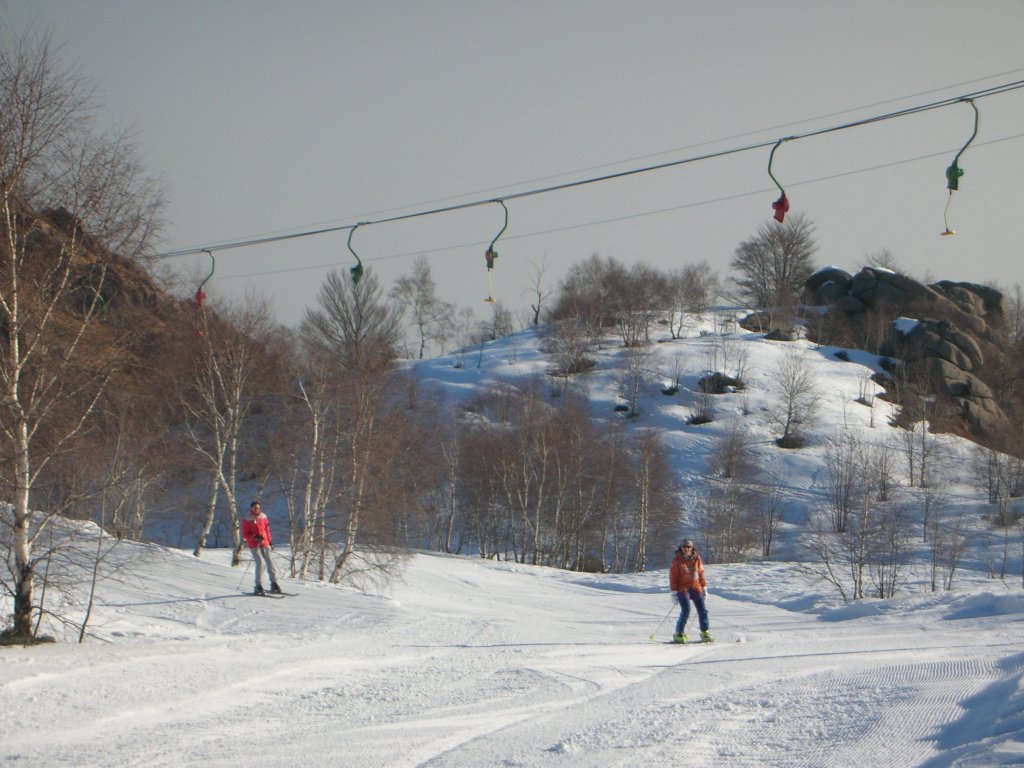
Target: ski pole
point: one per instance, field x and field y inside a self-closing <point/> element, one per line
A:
<point x="655" y="632"/>
<point x="242" y="578"/>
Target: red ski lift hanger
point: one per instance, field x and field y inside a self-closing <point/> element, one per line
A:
<point x="781" y="205"/>
<point x="954" y="171"/>
<point x="490" y="254"/>
<point x="201" y="297"/>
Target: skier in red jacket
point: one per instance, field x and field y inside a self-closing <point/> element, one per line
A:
<point x="687" y="582"/>
<point x="256" y="531"/>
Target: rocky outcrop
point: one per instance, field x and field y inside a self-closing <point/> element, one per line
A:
<point x="954" y="334"/>
<point x="972" y="307"/>
<point x="942" y="339"/>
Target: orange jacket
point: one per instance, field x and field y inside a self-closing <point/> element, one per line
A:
<point x="686" y="573"/>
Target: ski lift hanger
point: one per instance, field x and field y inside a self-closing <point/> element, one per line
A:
<point x="490" y="254"/>
<point x="357" y="270"/>
<point x="201" y="295"/>
<point x="954" y="171"/>
<point x="781" y="205"/>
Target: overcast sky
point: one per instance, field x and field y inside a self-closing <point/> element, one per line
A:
<point x="278" y="117"/>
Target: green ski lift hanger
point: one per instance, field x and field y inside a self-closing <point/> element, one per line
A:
<point x="954" y="171"/>
<point x="490" y="255"/>
<point x="357" y="270"/>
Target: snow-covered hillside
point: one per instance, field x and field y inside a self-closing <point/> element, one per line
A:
<point x="846" y="402"/>
<point x="468" y="663"/>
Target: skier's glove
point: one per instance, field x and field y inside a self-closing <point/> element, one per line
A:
<point x="703" y="593"/>
<point x="258" y="540"/>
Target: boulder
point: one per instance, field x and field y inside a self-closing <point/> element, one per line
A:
<point x="940" y="338"/>
<point x="952" y="338"/>
<point x="971" y="297"/>
<point x="757" y="322"/>
<point x="957" y="383"/>
<point x="829" y="275"/>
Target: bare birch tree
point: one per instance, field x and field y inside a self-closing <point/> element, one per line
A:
<point x="222" y="383"/>
<point x="70" y="198"/>
<point x="359" y="331"/>
<point x="430" y="315"/>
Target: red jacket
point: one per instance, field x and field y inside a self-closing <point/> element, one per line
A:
<point x="686" y="573"/>
<point x="257" y="527"/>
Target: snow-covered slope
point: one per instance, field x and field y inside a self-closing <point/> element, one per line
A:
<point x="468" y="663"/>
<point x="846" y="402"/>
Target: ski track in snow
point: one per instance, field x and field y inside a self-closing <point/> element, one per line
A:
<point x="469" y="663"/>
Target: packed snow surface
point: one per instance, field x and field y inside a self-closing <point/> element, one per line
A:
<point x="468" y="663"/>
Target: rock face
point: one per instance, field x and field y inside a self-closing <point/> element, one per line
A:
<point x="955" y="333"/>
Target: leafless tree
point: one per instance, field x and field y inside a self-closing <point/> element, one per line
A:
<point x="499" y="325"/>
<point x="357" y="329"/>
<point x="728" y="356"/>
<point x="305" y="453"/>
<point x="445" y="532"/>
<point x="355" y="322"/>
<point x="431" y="316"/>
<point x="635" y="302"/>
<point x="881" y="463"/>
<point x="70" y="198"/>
<point x="465" y="335"/>
<point x="1001" y="477"/>
<point x="572" y="346"/>
<point x="847" y="478"/>
<point x="727" y="517"/>
<point x="934" y="497"/>
<point x="883" y="259"/>
<point x="948" y="543"/>
<point x="656" y="506"/>
<point x="702" y="408"/>
<point x="919" y="446"/>
<point x="586" y="294"/>
<point x="773" y="265"/>
<point x="796" y="397"/>
<point x="732" y="457"/>
<point x="690" y="291"/>
<point x="540" y="292"/>
<point x="635" y="372"/>
<point x="889" y="555"/>
<point x="217" y="394"/>
<point x="770" y="499"/>
<point x="674" y="372"/>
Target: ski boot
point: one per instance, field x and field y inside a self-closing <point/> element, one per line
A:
<point x="275" y="588"/>
<point x="705" y="636"/>
<point x="259" y="590"/>
<point x="678" y="638"/>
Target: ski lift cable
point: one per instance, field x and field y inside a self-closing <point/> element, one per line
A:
<point x="942" y="103"/>
<point x="614" y="219"/>
<point x="646" y="156"/>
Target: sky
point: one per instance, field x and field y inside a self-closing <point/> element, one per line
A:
<point x="463" y="663"/>
<point x="265" y="118"/>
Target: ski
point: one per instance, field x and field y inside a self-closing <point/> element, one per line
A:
<point x="275" y="595"/>
<point x="688" y="642"/>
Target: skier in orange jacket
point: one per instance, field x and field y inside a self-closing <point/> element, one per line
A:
<point x="687" y="582"/>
